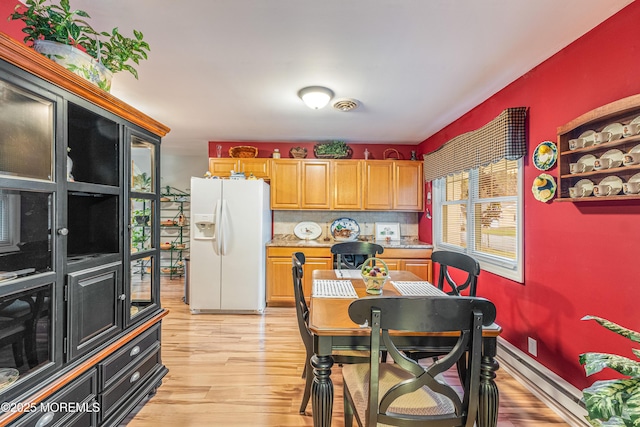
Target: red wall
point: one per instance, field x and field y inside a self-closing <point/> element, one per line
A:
<point x="579" y="258"/>
<point x="265" y="149"/>
<point x="12" y="28"/>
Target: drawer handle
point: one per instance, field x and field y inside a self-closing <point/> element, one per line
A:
<point x="135" y="377"/>
<point x="135" y="351"/>
<point x="45" y="419"/>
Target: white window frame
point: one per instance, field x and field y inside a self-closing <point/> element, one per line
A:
<point x="513" y="270"/>
<point x="10" y="206"/>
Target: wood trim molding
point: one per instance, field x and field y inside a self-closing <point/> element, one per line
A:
<point x="29" y="60"/>
<point x="620" y="106"/>
<point x="91" y="362"/>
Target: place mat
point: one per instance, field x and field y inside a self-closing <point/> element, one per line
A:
<point x="417" y="289"/>
<point x="348" y="274"/>
<point x="334" y="289"/>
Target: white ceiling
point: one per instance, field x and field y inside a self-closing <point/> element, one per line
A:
<point x="231" y="69"/>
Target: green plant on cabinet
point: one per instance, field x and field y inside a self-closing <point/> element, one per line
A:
<point x="45" y="20"/>
<point x="613" y="402"/>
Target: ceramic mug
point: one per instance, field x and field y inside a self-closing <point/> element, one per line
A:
<point x="631" y="159"/>
<point x="602" y="163"/>
<point x="576" y="143"/>
<point x="577" y="167"/>
<point x="601" y="137"/>
<point x="602" y="190"/>
<point x="575" y="192"/>
<point x="631" y="187"/>
<point x="631" y="129"/>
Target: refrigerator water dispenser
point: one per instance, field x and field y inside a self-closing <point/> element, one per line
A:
<point x="205" y="226"/>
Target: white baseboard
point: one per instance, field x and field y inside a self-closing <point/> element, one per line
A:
<point x="562" y="397"/>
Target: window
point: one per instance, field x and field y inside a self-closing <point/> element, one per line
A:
<point x="479" y="212"/>
<point x="9" y="221"/>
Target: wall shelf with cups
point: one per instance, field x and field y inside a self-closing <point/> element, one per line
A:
<point x="600" y="154"/>
<point x="174" y="231"/>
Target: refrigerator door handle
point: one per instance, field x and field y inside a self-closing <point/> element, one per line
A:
<point x="217" y="237"/>
<point x="224" y="232"/>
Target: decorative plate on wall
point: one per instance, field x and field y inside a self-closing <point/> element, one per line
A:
<point x="345" y="230"/>
<point x="544" y="187"/>
<point x="545" y="155"/>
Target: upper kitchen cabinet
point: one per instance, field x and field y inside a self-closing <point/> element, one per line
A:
<point x="378" y="185"/>
<point x="408" y="186"/>
<point x="286" y="187"/>
<point x="393" y="185"/>
<point x="222" y="167"/>
<point x="315" y="184"/>
<point x="346" y="185"/>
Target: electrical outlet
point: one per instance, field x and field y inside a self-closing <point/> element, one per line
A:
<point x="533" y="346"/>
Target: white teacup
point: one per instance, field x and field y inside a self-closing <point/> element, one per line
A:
<point x="575" y="192"/>
<point x="577" y="167"/>
<point x="576" y="143"/>
<point x="631" y="159"/>
<point x="602" y="163"/>
<point x="631" y="187"/>
<point x="631" y="129"/>
<point x="602" y="190"/>
<point x="601" y="137"/>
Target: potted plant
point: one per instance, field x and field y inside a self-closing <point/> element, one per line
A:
<point x="63" y="35"/>
<point x="142" y="182"/>
<point x="142" y="216"/>
<point x="332" y="150"/>
<point x="613" y="402"/>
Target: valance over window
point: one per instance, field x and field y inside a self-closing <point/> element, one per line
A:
<point x="502" y="138"/>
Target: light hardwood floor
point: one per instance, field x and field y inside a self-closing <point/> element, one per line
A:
<point x="245" y="370"/>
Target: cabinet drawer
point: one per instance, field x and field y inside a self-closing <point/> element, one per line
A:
<point x="135" y="376"/>
<point x="74" y="398"/>
<point x="137" y="348"/>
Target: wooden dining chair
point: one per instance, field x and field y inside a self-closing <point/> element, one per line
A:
<point x="404" y="393"/>
<point x="468" y="268"/>
<point x="302" y="313"/>
<point x="465" y="264"/>
<point x="351" y="255"/>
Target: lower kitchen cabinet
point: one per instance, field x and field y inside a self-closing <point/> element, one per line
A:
<point x="280" y="280"/>
<point x="279" y="276"/>
<point x="417" y="261"/>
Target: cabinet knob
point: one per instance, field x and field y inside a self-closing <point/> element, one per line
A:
<point x="63" y="231"/>
<point x="122" y="297"/>
<point x="45" y="420"/>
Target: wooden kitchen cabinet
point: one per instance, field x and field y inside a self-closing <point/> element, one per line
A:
<point x="393" y="185"/>
<point x="408" y="186"/>
<point x="222" y="167"/>
<point x="286" y="187"/>
<point x="316" y="192"/>
<point x="378" y="185"/>
<point x="417" y="261"/>
<point x="279" y="276"/>
<point x="346" y="185"/>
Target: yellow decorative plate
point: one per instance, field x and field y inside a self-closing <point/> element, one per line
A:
<point x="544" y="187"/>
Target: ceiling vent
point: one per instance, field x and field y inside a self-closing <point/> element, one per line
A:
<point x="346" y="104"/>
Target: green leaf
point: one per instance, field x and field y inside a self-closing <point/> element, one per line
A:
<point x="614" y="327"/>
<point x="596" y="362"/>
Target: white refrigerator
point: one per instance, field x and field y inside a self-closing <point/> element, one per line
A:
<point x="230" y="226"/>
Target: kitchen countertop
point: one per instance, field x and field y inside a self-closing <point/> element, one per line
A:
<point x="293" y="241"/>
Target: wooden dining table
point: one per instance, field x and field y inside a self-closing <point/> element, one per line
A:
<point x="333" y="330"/>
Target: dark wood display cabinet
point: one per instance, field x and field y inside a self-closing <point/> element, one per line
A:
<point x="80" y="340"/>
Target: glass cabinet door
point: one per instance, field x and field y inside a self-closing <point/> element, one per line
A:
<point x="142" y="165"/>
<point x="143" y="225"/>
<point x="27" y="133"/>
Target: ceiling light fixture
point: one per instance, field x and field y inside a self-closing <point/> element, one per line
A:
<point x="315" y="97"/>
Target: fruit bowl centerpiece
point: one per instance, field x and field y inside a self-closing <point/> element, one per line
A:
<point x="375" y="274"/>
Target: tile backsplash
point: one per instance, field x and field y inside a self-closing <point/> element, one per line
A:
<point x="285" y="221"/>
